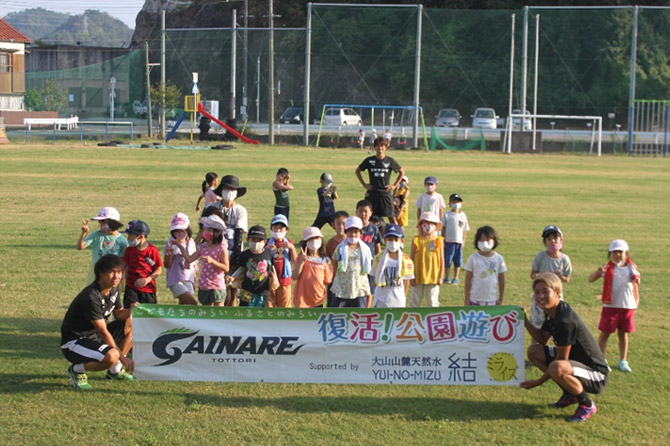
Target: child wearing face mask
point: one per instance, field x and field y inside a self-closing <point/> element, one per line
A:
<point x="256" y="270"/>
<point x="313" y="271"/>
<point x="106" y="240"/>
<point x="431" y="200"/>
<point x="621" y="297"/>
<point x="283" y="255"/>
<point x="393" y="271"/>
<point x="428" y="257"/>
<point x="180" y="273"/>
<point x="454" y="230"/>
<point x="143" y="265"/>
<point x="485" y="271"/>
<point x="213" y="255"/>
<point x="552" y="259"/>
<point x="352" y="262"/>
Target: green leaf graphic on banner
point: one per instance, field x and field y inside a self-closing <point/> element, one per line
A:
<point x="177" y="330"/>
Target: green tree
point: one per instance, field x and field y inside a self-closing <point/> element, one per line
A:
<point x="49" y="98"/>
<point x="33" y="100"/>
<point x="53" y="96"/>
<point x="173" y="98"/>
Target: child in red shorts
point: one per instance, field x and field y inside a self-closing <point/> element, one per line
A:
<point x="620" y="299"/>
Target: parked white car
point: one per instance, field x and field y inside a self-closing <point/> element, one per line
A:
<point x="341" y="116"/>
<point x="484" y="118"/>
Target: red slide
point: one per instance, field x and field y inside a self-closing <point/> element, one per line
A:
<point x="202" y="111"/>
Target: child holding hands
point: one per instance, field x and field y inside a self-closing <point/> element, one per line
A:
<point x="213" y="255"/>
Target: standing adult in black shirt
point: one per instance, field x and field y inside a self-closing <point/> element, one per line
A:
<point x="576" y="363"/>
<point x="379" y="188"/>
<point x="87" y="340"/>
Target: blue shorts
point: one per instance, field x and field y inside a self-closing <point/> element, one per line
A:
<point x="453" y="252"/>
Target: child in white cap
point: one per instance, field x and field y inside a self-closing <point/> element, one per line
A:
<point x="180" y="273"/>
<point x="352" y="262"/>
<point x="106" y="240"/>
<point x="620" y="298"/>
<point x="428" y="257"/>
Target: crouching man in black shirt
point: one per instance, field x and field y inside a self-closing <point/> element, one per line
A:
<point x="87" y="340"/>
<point x="576" y="363"/>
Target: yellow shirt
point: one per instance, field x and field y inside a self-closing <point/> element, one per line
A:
<point x="428" y="254"/>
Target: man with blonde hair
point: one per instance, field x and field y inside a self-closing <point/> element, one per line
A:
<point x="575" y="363"/>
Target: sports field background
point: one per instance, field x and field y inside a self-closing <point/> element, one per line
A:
<point x="45" y="191"/>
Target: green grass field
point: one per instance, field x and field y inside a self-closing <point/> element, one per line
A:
<point x="47" y="189"/>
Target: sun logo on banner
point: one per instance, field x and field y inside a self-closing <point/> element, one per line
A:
<point x="502" y="366"/>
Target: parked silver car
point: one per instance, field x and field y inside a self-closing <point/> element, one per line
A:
<point x="448" y="117"/>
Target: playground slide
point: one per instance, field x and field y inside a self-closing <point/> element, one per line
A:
<point x="176" y="126"/>
<point x="202" y="111"/>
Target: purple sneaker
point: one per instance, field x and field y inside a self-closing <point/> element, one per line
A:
<point x="564" y="401"/>
<point x="583" y="413"/>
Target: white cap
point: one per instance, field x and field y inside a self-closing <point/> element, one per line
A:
<point x="353" y="222"/>
<point x="618" y="245"/>
<point x="214" y="222"/>
<point x="108" y="213"/>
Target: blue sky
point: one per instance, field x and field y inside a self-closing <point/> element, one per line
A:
<point x="124" y="10"/>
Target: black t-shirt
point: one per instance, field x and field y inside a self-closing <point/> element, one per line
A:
<point x="257" y="277"/>
<point x="89" y="305"/>
<point x="379" y="171"/>
<point x="567" y="328"/>
<point x="326" y="205"/>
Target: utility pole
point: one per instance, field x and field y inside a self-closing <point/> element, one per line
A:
<point x="271" y="77"/>
<point x="147" y="72"/>
<point x="163" y="134"/>
<point x="245" y="90"/>
<point x="233" y="66"/>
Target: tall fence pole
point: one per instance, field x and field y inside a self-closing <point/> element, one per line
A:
<point x="511" y="90"/>
<point x="417" y="76"/>
<point x="631" y="91"/>
<point x="308" y="67"/>
<point x="537" y="72"/>
<point x="271" y="78"/>
<point x="162" y="104"/>
<point x="233" y="65"/>
<point x="524" y="67"/>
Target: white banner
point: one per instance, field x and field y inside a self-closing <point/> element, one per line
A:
<point x="448" y="345"/>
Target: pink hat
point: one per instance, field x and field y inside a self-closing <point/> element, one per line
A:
<point x="108" y="213"/>
<point x="430" y="217"/>
<point x="311" y="232"/>
<point x="179" y="221"/>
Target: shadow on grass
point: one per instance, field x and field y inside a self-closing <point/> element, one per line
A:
<point x="29" y="338"/>
<point x="409" y="408"/>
